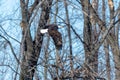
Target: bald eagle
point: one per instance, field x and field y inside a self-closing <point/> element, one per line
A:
<point x="52" y="30"/>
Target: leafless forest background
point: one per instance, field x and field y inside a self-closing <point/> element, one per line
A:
<point x="91" y="44"/>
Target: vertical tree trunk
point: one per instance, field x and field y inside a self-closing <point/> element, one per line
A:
<point x="117" y="54"/>
<point x="27" y="45"/>
<point x="57" y="51"/>
<point x="70" y="40"/>
<point x="46" y="58"/>
<point x="56" y="11"/>
<point x="95" y="33"/>
<point x="87" y="32"/>
<point x="46" y="55"/>
<point x="90" y="36"/>
<point x="30" y="50"/>
<point x="114" y="44"/>
<point x="106" y="44"/>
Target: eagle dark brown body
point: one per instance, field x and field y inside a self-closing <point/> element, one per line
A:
<point x="52" y="29"/>
<point x="57" y="38"/>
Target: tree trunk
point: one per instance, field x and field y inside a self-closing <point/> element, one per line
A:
<point x="70" y="40"/>
<point x="115" y="44"/>
<point x="106" y="44"/>
<point x="117" y="54"/>
<point x="46" y="55"/>
<point x="90" y="38"/>
<point x="30" y="50"/>
<point x="95" y="34"/>
<point x="87" y="38"/>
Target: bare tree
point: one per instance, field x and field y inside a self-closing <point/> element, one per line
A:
<point x="106" y="44"/>
<point x="70" y="39"/>
<point x="114" y="44"/>
<point x="90" y="41"/>
<point x="30" y="49"/>
<point x="88" y="9"/>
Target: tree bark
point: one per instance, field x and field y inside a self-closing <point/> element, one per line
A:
<point x="106" y="44"/>
<point x="70" y="39"/>
<point x="117" y="54"/>
<point x="115" y="44"/>
<point x="89" y="60"/>
<point x="95" y="34"/>
<point x="30" y="49"/>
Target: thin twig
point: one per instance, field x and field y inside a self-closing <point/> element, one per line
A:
<point x="11" y="49"/>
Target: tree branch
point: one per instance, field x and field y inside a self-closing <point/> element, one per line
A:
<point x="9" y="35"/>
<point x="11" y="49"/>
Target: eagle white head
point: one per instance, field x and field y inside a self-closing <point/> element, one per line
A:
<point x="43" y="31"/>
